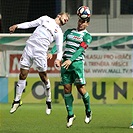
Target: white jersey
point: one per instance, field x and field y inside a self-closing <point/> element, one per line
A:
<point x="46" y="32"/>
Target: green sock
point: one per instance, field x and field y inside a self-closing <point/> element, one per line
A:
<point x="86" y="100"/>
<point x="68" y="98"/>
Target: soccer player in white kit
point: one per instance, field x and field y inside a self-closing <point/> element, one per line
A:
<point x="47" y="30"/>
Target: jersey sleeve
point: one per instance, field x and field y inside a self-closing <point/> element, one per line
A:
<point x="31" y="24"/>
<point x="59" y="45"/>
<point x="87" y="39"/>
<point x="54" y="49"/>
<point x="77" y="53"/>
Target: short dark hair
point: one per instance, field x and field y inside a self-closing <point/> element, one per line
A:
<point x="87" y="19"/>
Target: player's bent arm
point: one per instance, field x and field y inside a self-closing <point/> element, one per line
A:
<point x="82" y="47"/>
<point x="76" y="54"/>
<point x="59" y="52"/>
<point x="59" y="44"/>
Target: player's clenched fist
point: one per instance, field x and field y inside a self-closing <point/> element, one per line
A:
<point x="12" y="28"/>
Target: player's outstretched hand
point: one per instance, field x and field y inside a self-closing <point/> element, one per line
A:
<point x="12" y="28"/>
<point x="66" y="64"/>
<point x="49" y="56"/>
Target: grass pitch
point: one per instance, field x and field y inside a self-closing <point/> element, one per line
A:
<point x="31" y="118"/>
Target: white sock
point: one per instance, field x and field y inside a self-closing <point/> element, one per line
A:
<point x="48" y="95"/>
<point x="19" y="89"/>
<point x="48" y="85"/>
<point x="47" y="91"/>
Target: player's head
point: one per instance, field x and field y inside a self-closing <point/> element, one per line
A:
<point x="63" y="18"/>
<point x="83" y="23"/>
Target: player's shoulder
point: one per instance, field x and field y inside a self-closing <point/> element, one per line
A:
<point x="87" y="33"/>
<point x="69" y="30"/>
<point x="72" y="29"/>
<point x="45" y="17"/>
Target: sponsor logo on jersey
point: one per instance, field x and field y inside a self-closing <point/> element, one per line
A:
<point x="77" y="38"/>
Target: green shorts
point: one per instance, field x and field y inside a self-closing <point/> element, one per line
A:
<point x="74" y="74"/>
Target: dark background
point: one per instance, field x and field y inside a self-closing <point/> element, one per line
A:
<point x="17" y="11"/>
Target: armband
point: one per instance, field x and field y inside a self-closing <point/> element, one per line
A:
<point x="84" y="45"/>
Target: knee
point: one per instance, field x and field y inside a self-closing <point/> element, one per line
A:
<point x="44" y="78"/>
<point x="45" y="81"/>
<point x="22" y="76"/>
<point x="81" y="90"/>
<point x="67" y="90"/>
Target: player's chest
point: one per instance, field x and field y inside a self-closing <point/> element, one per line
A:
<point x="75" y="37"/>
<point x="51" y="27"/>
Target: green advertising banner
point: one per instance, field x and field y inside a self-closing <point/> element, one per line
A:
<point x="101" y="90"/>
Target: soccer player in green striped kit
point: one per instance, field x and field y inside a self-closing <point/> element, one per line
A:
<point x="131" y="126"/>
<point x="72" y="68"/>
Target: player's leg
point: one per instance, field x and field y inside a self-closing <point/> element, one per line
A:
<point x="25" y="64"/>
<point x="67" y="80"/>
<point x="47" y="88"/>
<point x="19" y="90"/>
<point x="86" y="100"/>
<point x="80" y="84"/>
<point x="40" y="60"/>
<point x="68" y="98"/>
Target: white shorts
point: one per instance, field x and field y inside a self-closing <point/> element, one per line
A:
<point x="32" y="55"/>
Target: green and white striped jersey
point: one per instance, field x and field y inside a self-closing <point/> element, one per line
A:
<point x="73" y="39"/>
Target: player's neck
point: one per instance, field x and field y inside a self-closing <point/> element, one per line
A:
<point x="78" y="29"/>
<point x="57" y="21"/>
